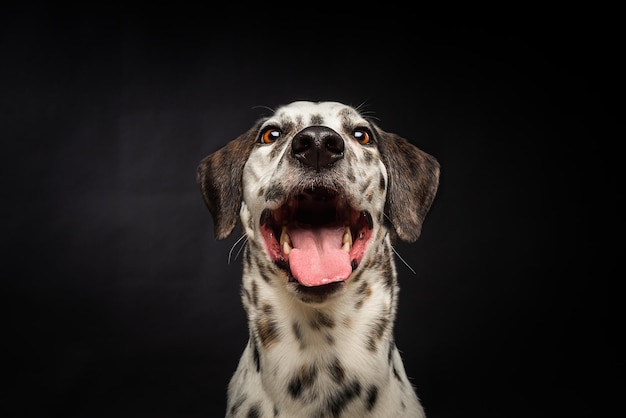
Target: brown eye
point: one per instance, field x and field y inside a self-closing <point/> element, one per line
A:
<point x="362" y="136"/>
<point x="269" y="135"/>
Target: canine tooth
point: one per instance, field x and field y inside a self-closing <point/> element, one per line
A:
<point x="346" y="239"/>
<point x="284" y="235"/>
<point x="285" y="240"/>
<point x="347" y="235"/>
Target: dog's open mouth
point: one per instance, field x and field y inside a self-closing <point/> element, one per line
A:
<point x="316" y="237"/>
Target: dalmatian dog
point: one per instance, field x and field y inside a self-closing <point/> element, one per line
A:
<point x="321" y="194"/>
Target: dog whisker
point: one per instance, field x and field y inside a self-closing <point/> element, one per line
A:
<point x="361" y="107"/>
<point x="394" y="250"/>
<point x="389" y="220"/>
<point x="271" y="110"/>
<point x="402" y="259"/>
<point x="367" y="114"/>
<point x="245" y="241"/>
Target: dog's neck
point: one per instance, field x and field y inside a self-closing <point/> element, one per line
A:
<point x="352" y="334"/>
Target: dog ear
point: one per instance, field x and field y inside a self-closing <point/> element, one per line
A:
<point x="219" y="176"/>
<point x="413" y="178"/>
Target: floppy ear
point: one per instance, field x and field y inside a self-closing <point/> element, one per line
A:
<point x="219" y="176"/>
<point x="413" y="178"/>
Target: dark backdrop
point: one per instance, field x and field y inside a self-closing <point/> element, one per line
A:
<point x="120" y="303"/>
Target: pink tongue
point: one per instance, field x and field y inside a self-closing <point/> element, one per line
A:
<point x="317" y="257"/>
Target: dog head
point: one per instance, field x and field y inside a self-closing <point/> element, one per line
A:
<point x="315" y="185"/>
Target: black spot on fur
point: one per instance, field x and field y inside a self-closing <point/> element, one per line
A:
<point x="295" y="387"/>
<point x="250" y="223"/>
<point x="247" y="258"/>
<point x="254" y="411"/>
<point x="255" y="246"/>
<point x="378" y="330"/>
<point x="369" y="264"/>
<point x="289" y="125"/>
<point x="363" y="188"/>
<point x="255" y="293"/>
<point x="346" y="116"/>
<point x="342" y="398"/>
<point x="357" y="277"/>
<point x="297" y="332"/>
<point x="246" y="294"/>
<point x="372" y="396"/>
<point x="364" y="291"/>
<point x="236" y="405"/>
<point x="376" y="333"/>
<point x="322" y="320"/>
<point x="382" y="184"/>
<point x="275" y="152"/>
<point x="256" y="357"/>
<point x="264" y="271"/>
<point x="261" y="191"/>
<point x="267" y="330"/>
<point x="317" y="120"/>
<point x="350" y="175"/>
<point x="387" y="254"/>
<point x="275" y="192"/>
<point x="378" y="260"/>
<point x="371" y="344"/>
<point x="387" y="272"/>
<point x="276" y="412"/>
<point x="336" y="370"/>
<point x="396" y="374"/>
<point x="303" y="380"/>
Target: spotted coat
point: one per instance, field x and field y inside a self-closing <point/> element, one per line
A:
<point x="319" y="347"/>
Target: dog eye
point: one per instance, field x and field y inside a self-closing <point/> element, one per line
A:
<point x="269" y="135"/>
<point x="362" y="136"/>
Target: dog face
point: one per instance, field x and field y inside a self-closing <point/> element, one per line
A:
<point x="315" y="185"/>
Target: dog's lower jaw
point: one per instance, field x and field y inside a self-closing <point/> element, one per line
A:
<point x="337" y="358"/>
<point x="317" y="295"/>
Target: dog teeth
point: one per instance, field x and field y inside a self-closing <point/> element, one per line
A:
<point x="286" y="245"/>
<point x="346" y="239"/>
<point x="285" y="240"/>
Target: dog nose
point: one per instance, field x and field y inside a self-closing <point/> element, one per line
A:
<point x="318" y="147"/>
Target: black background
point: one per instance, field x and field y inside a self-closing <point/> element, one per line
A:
<point x="120" y="303"/>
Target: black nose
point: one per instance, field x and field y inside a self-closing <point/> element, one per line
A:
<point x="318" y="147"/>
